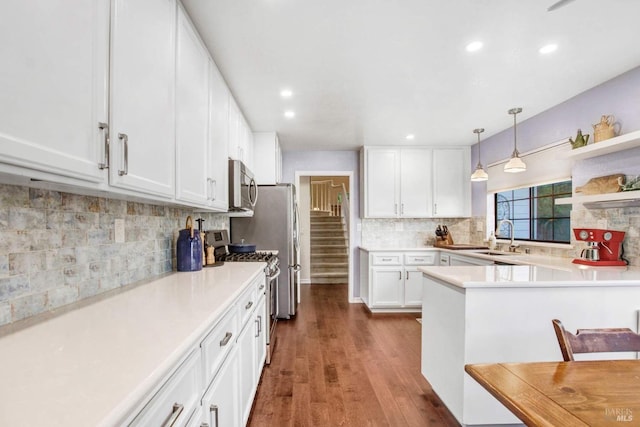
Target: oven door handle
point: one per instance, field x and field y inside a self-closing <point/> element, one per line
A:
<point x="275" y="275"/>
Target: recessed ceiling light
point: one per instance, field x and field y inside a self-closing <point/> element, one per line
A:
<point x="286" y="93"/>
<point x="411" y="136"/>
<point x="289" y="114"/>
<point x="474" y="46"/>
<point x="548" y="48"/>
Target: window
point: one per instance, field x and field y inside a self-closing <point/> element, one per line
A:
<point x="534" y="213"/>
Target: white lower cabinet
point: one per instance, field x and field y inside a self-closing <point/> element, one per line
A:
<point x="220" y="404"/>
<point x="177" y="398"/>
<point x="412" y="287"/>
<point x="216" y="384"/>
<point x="247" y="361"/>
<point x="393" y="281"/>
<point x="386" y="287"/>
<point x="458" y="260"/>
<point x="251" y="356"/>
<point x="261" y="338"/>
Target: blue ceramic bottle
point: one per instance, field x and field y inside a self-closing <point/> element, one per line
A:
<point x="189" y="248"/>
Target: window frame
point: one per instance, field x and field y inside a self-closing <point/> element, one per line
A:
<point x="534" y="217"/>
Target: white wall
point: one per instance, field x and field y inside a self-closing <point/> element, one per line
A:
<point x="304" y="201"/>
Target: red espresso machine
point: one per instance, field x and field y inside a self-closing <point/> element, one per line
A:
<point x="604" y="247"/>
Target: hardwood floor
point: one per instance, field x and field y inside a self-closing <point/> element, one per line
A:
<point x="335" y="364"/>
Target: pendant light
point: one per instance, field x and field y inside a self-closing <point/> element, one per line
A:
<point x="516" y="164"/>
<point x="479" y="174"/>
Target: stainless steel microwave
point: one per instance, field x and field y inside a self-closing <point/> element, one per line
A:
<point x="243" y="190"/>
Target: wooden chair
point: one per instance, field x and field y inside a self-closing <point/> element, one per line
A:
<point x="595" y="340"/>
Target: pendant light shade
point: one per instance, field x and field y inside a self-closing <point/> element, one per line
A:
<point x="479" y="174"/>
<point x="516" y="164"/>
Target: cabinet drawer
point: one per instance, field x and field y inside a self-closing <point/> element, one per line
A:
<point x="218" y="343"/>
<point x="178" y="397"/>
<point x="386" y="259"/>
<point x="426" y="258"/>
<point x="247" y="303"/>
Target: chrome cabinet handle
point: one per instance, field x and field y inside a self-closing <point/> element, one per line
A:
<point x="395" y="208"/>
<point x="204" y="425"/>
<point x="105" y="127"/>
<point x="209" y="189"/>
<point x="399" y="275"/>
<point x="214" y="410"/>
<point x="125" y="139"/>
<point x="214" y="189"/>
<point x="387" y="259"/>
<point x="406" y="277"/>
<point x="435" y="208"/>
<point x="175" y="413"/>
<point x="257" y="327"/>
<point x="248" y="306"/>
<point x="402" y="209"/>
<point x="418" y="259"/>
<point x="226" y="339"/>
<point x="261" y="287"/>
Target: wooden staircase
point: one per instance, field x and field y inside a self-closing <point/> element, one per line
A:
<point x="329" y="248"/>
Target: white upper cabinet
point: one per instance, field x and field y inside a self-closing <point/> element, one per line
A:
<point x="192" y="115"/>
<point x="142" y="96"/>
<point x="53" y="81"/>
<point x="415" y="182"/>
<point x="240" y="136"/>
<point x="267" y="158"/>
<point x="381" y="186"/>
<point x="397" y="182"/>
<point x="219" y="140"/>
<point x="451" y="183"/>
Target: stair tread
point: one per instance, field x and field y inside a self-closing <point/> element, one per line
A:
<point x="330" y="274"/>
<point x="330" y="264"/>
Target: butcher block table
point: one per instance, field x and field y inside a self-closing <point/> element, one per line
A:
<point x="580" y="393"/>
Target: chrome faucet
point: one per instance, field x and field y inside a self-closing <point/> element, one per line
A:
<point x="512" y="246"/>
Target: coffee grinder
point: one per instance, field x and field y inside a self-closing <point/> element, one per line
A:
<point x="605" y="247"/>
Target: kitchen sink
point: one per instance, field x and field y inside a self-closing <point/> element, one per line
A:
<point x="496" y="253"/>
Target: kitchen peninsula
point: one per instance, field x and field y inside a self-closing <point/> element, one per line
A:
<point x="503" y="313"/>
<point x="139" y="357"/>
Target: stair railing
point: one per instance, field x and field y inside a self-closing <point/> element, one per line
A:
<point x="323" y="196"/>
<point x="343" y="198"/>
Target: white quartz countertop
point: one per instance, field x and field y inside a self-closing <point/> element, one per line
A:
<point x="91" y="366"/>
<point x="533" y="276"/>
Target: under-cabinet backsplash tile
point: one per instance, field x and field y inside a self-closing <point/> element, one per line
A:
<point x="415" y="233"/>
<point x="58" y="248"/>
<point x="411" y="233"/>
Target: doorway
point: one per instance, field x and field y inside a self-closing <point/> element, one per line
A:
<point x="326" y="231"/>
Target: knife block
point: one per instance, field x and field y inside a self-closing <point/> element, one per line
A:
<point x="443" y="240"/>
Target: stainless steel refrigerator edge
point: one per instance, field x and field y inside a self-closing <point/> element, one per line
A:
<point x="274" y="226"/>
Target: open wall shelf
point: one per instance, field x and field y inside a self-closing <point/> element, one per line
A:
<point x="622" y="199"/>
<point x="608" y="146"/>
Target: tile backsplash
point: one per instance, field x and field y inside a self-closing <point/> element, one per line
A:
<point x="57" y="248"/>
<point x="411" y="233"/>
<point x="417" y="233"/>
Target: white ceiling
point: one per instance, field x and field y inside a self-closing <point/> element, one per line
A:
<point x="372" y="71"/>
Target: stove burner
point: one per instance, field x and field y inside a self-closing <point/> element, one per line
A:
<point x="248" y="257"/>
